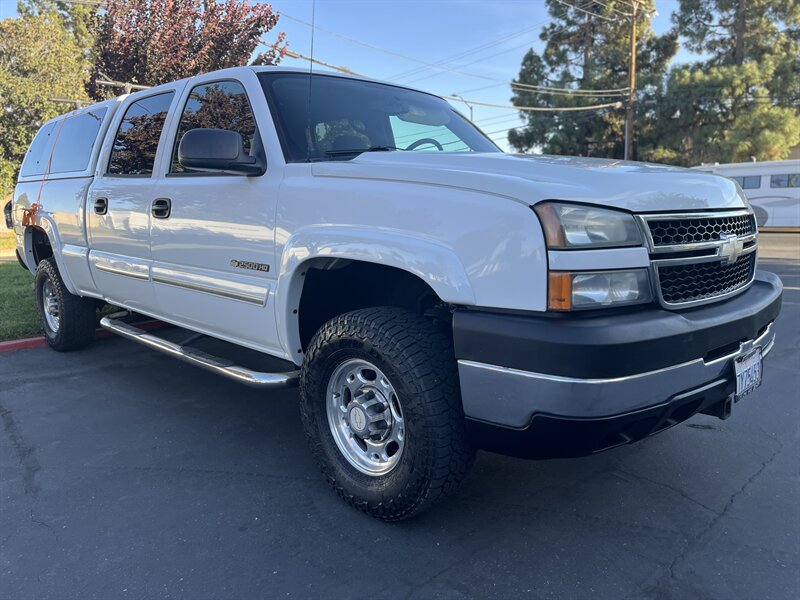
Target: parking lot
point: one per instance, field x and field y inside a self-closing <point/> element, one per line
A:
<point x="124" y="473"/>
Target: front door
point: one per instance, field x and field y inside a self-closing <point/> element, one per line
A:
<point x="118" y="204"/>
<point x="213" y="243"/>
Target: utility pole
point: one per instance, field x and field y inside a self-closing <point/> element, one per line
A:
<point x="631" y="86"/>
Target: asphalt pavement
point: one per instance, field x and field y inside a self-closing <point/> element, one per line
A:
<point x="126" y="474"/>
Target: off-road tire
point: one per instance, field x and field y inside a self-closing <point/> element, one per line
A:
<point x="417" y="357"/>
<point x="77" y="316"/>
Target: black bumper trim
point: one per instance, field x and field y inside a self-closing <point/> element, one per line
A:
<point x="549" y="436"/>
<point x="615" y="345"/>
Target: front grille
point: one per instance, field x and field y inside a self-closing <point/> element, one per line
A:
<point x="696" y="230"/>
<point x="694" y="282"/>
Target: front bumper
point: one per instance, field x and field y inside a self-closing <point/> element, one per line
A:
<point x="571" y="385"/>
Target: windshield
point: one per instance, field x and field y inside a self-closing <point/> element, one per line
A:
<point x="349" y="116"/>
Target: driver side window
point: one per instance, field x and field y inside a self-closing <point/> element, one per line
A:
<point x="407" y="133"/>
<point x="218" y="105"/>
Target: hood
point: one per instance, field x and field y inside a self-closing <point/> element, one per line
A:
<point x="633" y="186"/>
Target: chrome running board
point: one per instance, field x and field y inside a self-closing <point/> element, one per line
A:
<point x="199" y="358"/>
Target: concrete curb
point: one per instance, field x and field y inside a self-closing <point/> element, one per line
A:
<point x="99" y="334"/>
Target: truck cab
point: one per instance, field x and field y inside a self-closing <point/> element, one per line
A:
<point x="430" y="294"/>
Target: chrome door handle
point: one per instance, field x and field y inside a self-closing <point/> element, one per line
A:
<point x="161" y="209"/>
<point x="101" y="206"/>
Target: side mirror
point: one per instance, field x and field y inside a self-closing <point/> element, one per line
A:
<point x="7" y="212"/>
<point x="217" y="150"/>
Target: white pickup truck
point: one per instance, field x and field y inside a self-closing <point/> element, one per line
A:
<point x="429" y="293"/>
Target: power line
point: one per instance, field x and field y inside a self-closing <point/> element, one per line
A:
<point x="551" y="90"/>
<point x="476" y="102"/>
<point x="543" y="108"/>
<point x="474" y="50"/>
<point x="612" y="8"/>
<point x="540" y="23"/>
<point x="588" y="12"/>
<point x="536" y="89"/>
<point x="540" y="89"/>
<point x="317" y="61"/>
<point x="483" y="47"/>
<point x="354" y="40"/>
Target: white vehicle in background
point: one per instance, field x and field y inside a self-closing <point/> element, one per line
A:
<point x="772" y="188"/>
<point x="429" y="293"/>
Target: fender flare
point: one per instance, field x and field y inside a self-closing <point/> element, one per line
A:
<point x="44" y="222"/>
<point x="433" y="262"/>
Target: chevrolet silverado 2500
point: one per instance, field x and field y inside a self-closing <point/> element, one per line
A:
<point x="430" y="294"/>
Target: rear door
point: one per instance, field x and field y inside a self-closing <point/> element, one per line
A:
<point x="119" y="201"/>
<point x="213" y="252"/>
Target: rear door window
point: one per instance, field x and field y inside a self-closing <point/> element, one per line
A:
<point x="136" y="142"/>
<point x="75" y="141"/>
<point x="38" y="154"/>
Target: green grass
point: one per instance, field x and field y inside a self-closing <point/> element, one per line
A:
<point x="7" y="242"/>
<point x="18" y="318"/>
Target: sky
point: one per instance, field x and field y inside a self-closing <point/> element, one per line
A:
<point x="430" y="31"/>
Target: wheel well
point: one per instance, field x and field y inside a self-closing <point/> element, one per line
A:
<point x="336" y="286"/>
<point x="40" y="245"/>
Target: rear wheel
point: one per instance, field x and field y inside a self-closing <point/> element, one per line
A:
<point x="382" y="411"/>
<point x="67" y="321"/>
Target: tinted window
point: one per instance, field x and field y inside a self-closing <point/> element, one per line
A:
<point x="75" y="141"/>
<point x="35" y="161"/>
<point x="220" y="105"/>
<point x="134" y="151"/>
<point x="347" y="115"/>
<point x="791" y="180"/>
<point x="749" y="182"/>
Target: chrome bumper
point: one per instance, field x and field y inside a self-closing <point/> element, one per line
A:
<point x="511" y="397"/>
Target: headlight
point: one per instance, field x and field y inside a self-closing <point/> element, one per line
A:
<point x="578" y="226"/>
<point x="597" y="289"/>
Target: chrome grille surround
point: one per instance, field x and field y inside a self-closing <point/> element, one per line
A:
<point x="699" y="269"/>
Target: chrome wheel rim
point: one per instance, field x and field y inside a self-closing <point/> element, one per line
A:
<point x="52" y="315"/>
<point x="365" y="417"/>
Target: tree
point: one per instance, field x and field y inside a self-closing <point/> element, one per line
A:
<point x="588" y="48"/>
<point x="77" y="18"/>
<point x="150" y="42"/>
<point x="742" y="100"/>
<point x="39" y="59"/>
<point x="732" y="31"/>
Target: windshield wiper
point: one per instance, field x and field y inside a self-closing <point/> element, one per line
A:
<point x="360" y="150"/>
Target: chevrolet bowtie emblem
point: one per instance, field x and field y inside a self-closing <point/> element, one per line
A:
<point x="731" y="247"/>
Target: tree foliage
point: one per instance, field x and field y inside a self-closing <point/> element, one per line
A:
<point x="39" y="59"/>
<point x="587" y="48"/>
<point x="78" y="19"/>
<point x="150" y="42"/>
<point x="742" y="100"/>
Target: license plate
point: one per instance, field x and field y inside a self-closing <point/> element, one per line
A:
<point x="748" y="373"/>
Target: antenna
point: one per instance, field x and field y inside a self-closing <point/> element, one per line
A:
<point x="309" y="137"/>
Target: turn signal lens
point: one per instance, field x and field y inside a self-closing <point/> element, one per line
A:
<point x="559" y="292"/>
<point x="586" y="290"/>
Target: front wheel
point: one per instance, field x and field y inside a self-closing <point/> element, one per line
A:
<point x="68" y="321"/>
<point x="382" y="411"/>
